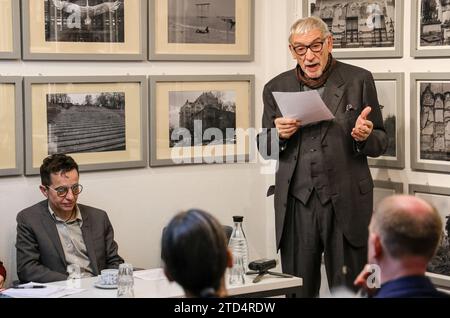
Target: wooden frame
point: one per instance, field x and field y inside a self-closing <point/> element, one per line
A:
<point x="430" y="35"/>
<point x="388" y="187"/>
<point x="356" y="36"/>
<point x="175" y="35"/>
<point x="11" y="126"/>
<point x="121" y="36"/>
<point x="430" y="141"/>
<point x="184" y="131"/>
<point x="10" y="29"/>
<point x="99" y="120"/>
<point x="390" y="91"/>
<point x="440" y="198"/>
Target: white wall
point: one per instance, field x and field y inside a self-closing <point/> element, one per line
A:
<point x="141" y="201"/>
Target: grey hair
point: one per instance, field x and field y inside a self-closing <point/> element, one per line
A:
<point x="305" y="25"/>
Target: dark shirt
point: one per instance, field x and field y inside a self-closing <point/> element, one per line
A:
<point x="410" y="287"/>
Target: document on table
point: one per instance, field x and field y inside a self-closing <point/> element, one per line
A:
<point x="30" y="290"/>
<point x="150" y="274"/>
<point x="308" y="106"/>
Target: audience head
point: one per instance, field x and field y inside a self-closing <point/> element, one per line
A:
<point x="404" y="229"/>
<point x="311" y="43"/>
<point x="59" y="182"/>
<point x="195" y="253"/>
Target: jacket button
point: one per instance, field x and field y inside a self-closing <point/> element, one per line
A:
<point x="295" y="157"/>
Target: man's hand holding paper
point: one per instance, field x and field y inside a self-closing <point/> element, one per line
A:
<point x="299" y="108"/>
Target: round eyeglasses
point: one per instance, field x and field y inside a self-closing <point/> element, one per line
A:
<point x="62" y="191"/>
<point x="315" y="47"/>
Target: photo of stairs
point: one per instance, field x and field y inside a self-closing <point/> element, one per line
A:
<point x="85" y="128"/>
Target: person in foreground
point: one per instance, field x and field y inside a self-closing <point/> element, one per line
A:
<point x="2" y="275"/>
<point x="403" y="236"/>
<point x="195" y="254"/>
<point x="323" y="186"/>
<point x="58" y="232"/>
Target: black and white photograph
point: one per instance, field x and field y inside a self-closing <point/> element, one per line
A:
<point x="391" y="100"/>
<point x="194" y="21"/>
<point x="198" y="111"/>
<point x="361" y="25"/>
<point x="434" y="23"/>
<point x="434" y="126"/>
<point x="440" y="198"/>
<point x="84" y="21"/>
<point x="91" y="122"/>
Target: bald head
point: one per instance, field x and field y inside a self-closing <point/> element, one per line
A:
<point x="407" y="226"/>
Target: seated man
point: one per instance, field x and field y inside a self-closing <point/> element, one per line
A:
<point x="2" y="275"/>
<point x="58" y="232"/>
<point x="403" y="236"/>
<point x="195" y="254"/>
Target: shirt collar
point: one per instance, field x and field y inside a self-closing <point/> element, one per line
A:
<point x="56" y="218"/>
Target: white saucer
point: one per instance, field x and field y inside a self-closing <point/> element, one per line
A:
<point x="102" y="286"/>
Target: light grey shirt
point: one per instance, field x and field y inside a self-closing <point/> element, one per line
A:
<point x="72" y="242"/>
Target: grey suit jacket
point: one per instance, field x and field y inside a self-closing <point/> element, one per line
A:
<point x="40" y="255"/>
<point x="348" y="90"/>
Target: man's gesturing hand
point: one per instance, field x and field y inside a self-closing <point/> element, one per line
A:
<point x="286" y="127"/>
<point x="363" y="127"/>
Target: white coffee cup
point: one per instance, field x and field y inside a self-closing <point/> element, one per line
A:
<point x="109" y="276"/>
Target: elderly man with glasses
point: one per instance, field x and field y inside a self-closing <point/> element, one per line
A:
<point x="323" y="186"/>
<point x="57" y="233"/>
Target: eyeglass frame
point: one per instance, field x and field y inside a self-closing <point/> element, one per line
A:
<point x="66" y="189"/>
<point x="321" y="42"/>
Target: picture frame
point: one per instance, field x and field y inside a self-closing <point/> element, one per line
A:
<point x="11" y="126"/>
<point x="216" y="30"/>
<point x="201" y="119"/>
<point x="384" y="189"/>
<point x="438" y="268"/>
<point x="10" y="29"/>
<point x="430" y="128"/>
<point x="430" y="34"/>
<point x="98" y="120"/>
<point x="390" y="91"/>
<point x="361" y="29"/>
<point x="106" y="30"/>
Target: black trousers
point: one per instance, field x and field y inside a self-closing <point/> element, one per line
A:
<point x="310" y="230"/>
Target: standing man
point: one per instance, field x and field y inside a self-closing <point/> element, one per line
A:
<point x="58" y="232"/>
<point x="323" y="187"/>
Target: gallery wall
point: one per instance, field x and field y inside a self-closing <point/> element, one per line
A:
<point x="141" y="201"/>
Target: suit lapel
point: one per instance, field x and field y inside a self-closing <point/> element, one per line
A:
<point x="50" y="227"/>
<point x="334" y="90"/>
<point x="87" y="237"/>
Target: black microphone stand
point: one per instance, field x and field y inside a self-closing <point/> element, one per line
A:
<point x="260" y="275"/>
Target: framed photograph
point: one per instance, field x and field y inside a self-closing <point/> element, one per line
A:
<point x="439" y="266"/>
<point x="99" y="120"/>
<point x="10" y="29"/>
<point x="361" y="28"/>
<point x="430" y="29"/>
<point x="201" y="119"/>
<point x="11" y="126"/>
<point x="191" y="30"/>
<point x="383" y="189"/>
<point x="430" y="122"/>
<point x="390" y="90"/>
<point x="84" y="29"/>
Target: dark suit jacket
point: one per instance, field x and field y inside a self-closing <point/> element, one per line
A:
<point x="410" y="287"/>
<point x="348" y="90"/>
<point x="40" y="255"/>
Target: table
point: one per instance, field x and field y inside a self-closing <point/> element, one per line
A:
<point x="160" y="287"/>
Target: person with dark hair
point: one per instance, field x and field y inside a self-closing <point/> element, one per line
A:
<point x="195" y="254"/>
<point x="2" y="275"/>
<point x="58" y="232"/>
<point x="323" y="186"/>
<point x="404" y="234"/>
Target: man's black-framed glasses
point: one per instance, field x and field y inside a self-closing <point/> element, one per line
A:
<point x="62" y="191"/>
<point x="315" y="47"/>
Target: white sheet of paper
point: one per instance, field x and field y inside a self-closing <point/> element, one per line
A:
<point x="308" y="106"/>
<point x="47" y="292"/>
<point x="150" y="274"/>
